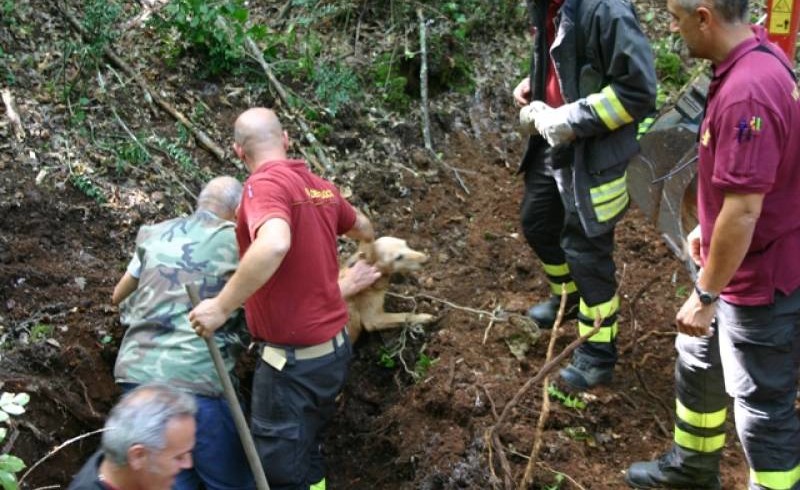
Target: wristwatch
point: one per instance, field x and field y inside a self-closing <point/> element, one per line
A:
<point x="705" y="297"/>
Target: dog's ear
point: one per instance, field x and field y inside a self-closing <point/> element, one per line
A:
<point x="366" y="251"/>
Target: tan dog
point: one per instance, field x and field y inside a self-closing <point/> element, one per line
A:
<point x="389" y="255"/>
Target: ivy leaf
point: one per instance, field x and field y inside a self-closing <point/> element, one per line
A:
<point x="8" y="481"/>
<point x="3" y="416"/>
<point x="22" y="399"/>
<point x="13" y="409"/>
<point x="11" y="463"/>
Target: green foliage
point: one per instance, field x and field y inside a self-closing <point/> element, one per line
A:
<point x="11" y="404"/>
<point x="577" y="433"/>
<point x="669" y="65"/>
<point x="129" y="153"/>
<point x="391" y="85"/>
<point x="196" y="22"/>
<point x="8" y="8"/>
<point x="179" y="154"/>
<point x="423" y="364"/>
<point x="386" y="359"/>
<point x="567" y="400"/>
<point x="41" y="331"/>
<point x="682" y="292"/>
<point x="556" y="485"/>
<point x="100" y="21"/>
<point x="335" y="86"/>
<point x="87" y="187"/>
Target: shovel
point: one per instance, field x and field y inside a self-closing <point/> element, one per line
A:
<point x="230" y="395"/>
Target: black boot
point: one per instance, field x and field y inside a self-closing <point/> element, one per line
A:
<point x="581" y="375"/>
<point x="668" y="472"/>
<point x="545" y="313"/>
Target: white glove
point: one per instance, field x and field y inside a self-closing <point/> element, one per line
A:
<point x="526" y="117"/>
<point x="553" y="126"/>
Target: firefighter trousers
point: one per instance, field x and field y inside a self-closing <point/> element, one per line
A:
<point x="760" y="351"/>
<point x="570" y="258"/>
<point x="700" y="407"/>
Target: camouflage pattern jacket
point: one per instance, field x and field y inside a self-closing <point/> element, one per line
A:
<point x="159" y="344"/>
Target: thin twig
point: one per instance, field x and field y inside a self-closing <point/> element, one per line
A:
<point x="491" y="400"/>
<point x="451" y="305"/>
<point x="527" y="477"/>
<point x="553" y="470"/>
<point x="199" y="134"/>
<point x="59" y="448"/>
<point x="492" y="434"/>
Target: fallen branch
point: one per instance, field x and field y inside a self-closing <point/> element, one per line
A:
<point x="12" y="114"/>
<point x="169" y="175"/>
<point x="423" y="82"/>
<point x="57" y="449"/>
<point x="201" y="136"/>
<point x="527" y="477"/>
<point x="258" y="56"/>
<point x="451" y="305"/>
<point x="491" y="433"/>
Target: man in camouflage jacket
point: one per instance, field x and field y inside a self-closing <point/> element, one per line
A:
<point x="159" y="343"/>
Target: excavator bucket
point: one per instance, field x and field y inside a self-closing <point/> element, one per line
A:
<point x="661" y="178"/>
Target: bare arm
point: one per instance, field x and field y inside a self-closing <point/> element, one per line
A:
<point x="730" y="241"/>
<point x="126" y="285"/>
<point x="362" y="230"/>
<point x="257" y="266"/>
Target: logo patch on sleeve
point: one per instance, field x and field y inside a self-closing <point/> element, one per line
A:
<point x="746" y="130"/>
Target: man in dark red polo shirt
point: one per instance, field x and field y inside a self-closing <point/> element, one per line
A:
<point x="287" y="226"/>
<point x="748" y="246"/>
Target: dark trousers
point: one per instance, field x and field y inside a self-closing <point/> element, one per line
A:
<point x="290" y="411"/>
<point x="701" y="406"/>
<point x="553" y="229"/>
<point x="760" y="350"/>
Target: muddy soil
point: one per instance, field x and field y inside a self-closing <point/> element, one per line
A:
<point x="61" y="255"/>
<point x="419" y="401"/>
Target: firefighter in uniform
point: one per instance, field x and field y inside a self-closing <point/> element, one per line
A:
<point x="592" y="79"/>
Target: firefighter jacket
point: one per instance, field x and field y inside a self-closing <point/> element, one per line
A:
<point x="605" y="68"/>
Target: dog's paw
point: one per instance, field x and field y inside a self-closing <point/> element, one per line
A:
<point x="421" y="318"/>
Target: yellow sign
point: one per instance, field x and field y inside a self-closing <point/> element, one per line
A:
<point x="780" y="18"/>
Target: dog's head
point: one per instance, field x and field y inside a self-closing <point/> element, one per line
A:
<point x="394" y="255"/>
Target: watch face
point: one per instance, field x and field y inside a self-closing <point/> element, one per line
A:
<point x="706" y="298"/>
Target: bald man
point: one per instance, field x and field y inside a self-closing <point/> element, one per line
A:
<point x="159" y="343"/>
<point x="287" y="227"/>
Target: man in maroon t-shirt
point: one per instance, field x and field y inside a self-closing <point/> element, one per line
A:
<point x="748" y="246"/>
<point x="288" y="222"/>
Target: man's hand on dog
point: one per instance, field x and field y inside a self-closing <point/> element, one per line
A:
<point x="207" y="317"/>
<point x="358" y="277"/>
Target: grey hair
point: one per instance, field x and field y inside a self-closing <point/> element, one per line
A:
<point x="732" y="11"/>
<point x="221" y="195"/>
<point x="141" y="417"/>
